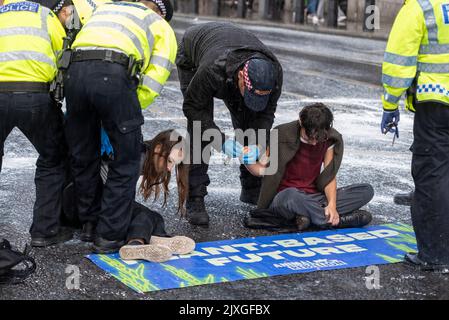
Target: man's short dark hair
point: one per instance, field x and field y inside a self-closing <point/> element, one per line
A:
<point x="317" y="120"/>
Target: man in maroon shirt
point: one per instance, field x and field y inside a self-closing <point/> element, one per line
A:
<point x="298" y="198"/>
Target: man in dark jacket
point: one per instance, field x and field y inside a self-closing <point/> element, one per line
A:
<point x="221" y="60"/>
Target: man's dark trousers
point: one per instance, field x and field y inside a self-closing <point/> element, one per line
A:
<point x="430" y="171"/>
<point x="100" y="92"/>
<point x="40" y="120"/>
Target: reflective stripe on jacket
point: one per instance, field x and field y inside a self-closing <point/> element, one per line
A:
<point x="135" y="30"/>
<point x="85" y="8"/>
<point x="418" y="44"/>
<point x="31" y="36"/>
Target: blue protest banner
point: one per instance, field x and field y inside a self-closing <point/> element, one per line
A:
<point x="251" y="258"/>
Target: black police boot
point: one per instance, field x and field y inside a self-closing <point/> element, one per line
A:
<point x="196" y="211"/>
<point x="356" y="219"/>
<point x="404" y="199"/>
<point x="413" y="260"/>
<point x="64" y="234"/>
<point x="250" y="196"/>
<point x="104" y="246"/>
<point x="88" y="232"/>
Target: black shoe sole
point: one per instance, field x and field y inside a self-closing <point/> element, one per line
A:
<point x="99" y="250"/>
<point x="201" y="224"/>
<point x="112" y="248"/>
<point x="42" y="243"/>
<point x="426" y="267"/>
<point x="434" y="269"/>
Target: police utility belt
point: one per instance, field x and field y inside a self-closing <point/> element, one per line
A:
<point x="133" y="66"/>
<point x="22" y="86"/>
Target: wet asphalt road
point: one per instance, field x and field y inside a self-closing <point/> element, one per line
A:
<point x="317" y="68"/>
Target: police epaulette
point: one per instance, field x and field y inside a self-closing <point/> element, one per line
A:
<point x="130" y="5"/>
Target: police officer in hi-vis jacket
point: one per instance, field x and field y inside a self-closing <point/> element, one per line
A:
<point x="417" y="61"/>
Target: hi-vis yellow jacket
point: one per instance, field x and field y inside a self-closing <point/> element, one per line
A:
<point x="85" y="8"/>
<point x="135" y="30"/>
<point x="31" y="36"/>
<point x="418" y="46"/>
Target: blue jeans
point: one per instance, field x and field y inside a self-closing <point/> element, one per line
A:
<point x="312" y="6"/>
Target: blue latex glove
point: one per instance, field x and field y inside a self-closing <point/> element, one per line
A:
<point x="390" y="117"/>
<point x="250" y="155"/>
<point x="232" y="148"/>
<point x="106" y="147"/>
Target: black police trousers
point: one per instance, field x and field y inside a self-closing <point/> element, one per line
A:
<point x="144" y="222"/>
<point x="41" y="121"/>
<point x="430" y="171"/>
<point x="101" y="93"/>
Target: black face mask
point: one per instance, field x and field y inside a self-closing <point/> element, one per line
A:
<point x="15" y="266"/>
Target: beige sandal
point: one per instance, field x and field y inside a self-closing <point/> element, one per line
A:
<point x="149" y="252"/>
<point x="178" y="244"/>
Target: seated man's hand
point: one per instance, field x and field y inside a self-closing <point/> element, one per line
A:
<point x="333" y="218"/>
<point x="264" y="159"/>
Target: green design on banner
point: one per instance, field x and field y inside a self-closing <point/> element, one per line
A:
<point x="190" y="279"/>
<point x="401" y="242"/>
<point x="401" y="247"/>
<point x="402" y="227"/>
<point x="133" y="278"/>
<point x="405" y="239"/>
<point x="250" y="273"/>
<point x="389" y="259"/>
